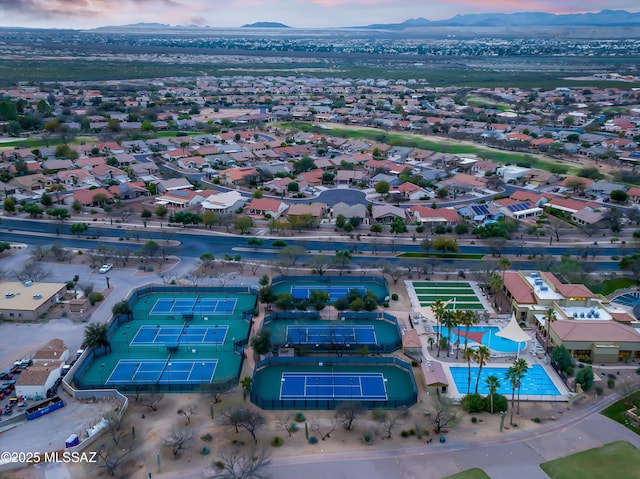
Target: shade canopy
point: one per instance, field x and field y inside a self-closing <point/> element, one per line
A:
<point x="513" y="331"/>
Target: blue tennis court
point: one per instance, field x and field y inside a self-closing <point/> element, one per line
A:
<point x="342" y="386"/>
<point x="186" y="334"/>
<point x="150" y="371"/>
<point x="365" y="334"/>
<point x="195" y="305"/>
<point x="335" y="292"/>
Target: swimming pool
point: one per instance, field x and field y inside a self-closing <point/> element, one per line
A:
<point x="535" y="383"/>
<point x="485" y="335"/>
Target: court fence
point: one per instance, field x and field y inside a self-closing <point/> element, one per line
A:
<point x="335" y="280"/>
<point x="339" y="347"/>
<point x="329" y="404"/>
<point x="83" y="363"/>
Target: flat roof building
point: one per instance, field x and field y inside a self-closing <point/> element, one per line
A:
<point x="29" y="300"/>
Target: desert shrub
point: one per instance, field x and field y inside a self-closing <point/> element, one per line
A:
<point x="95" y="297"/>
<point x="599" y="390"/>
<point x="404" y="434"/>
<point x="611" y="383"/>
<point x="207" y="437"/>
<point x="474" y="419"/>
<point x="293" y="427"/>
<point x="367" y="437"/>
<point x="394" y="296"/>
<point x="500" y="403"/>
<point x="472" y="403"/>
<point x="313" y="440"/>
<point x="299" y="417"/>
<point x="537" y="420"/>
<point x="276" y="441"/>
<point x="414" y="363"/>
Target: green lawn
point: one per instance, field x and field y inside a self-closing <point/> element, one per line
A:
<point x="615" y="460"/>
<point x="609" y="286"/>
<point x="470" y="474"/>
<point x="616" y="411"/>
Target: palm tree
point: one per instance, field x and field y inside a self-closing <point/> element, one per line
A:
<point x="458" y="317"/>
<point x="521" y="367"/>
<point x="482" y="354"/>
<point x="549" y="317"/>
<point x="468" y="355"/>
<point x="438" y="308"/>
<point x="96" y="335"/>
<point x="493" y="383"/>
<point x="504" y="264"/>
<point x="449" y="321"/>
<point x="431" y="340"/>
<point x="512" y="376"/>
<point x="468" y="319"/>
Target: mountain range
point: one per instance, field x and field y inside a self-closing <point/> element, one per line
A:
<point x="611" y="18"/>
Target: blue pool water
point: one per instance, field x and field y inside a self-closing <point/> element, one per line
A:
<point x="485" y="335"/>
<point x="536" y="382"/>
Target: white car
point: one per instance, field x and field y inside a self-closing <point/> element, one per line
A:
<point x="105" y="268"/>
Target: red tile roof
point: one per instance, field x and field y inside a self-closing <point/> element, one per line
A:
<point x="519" y="288"/>
<point x="569" y="290"/>
<point x="594" y="331"/>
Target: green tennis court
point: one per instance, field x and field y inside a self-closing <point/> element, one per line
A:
<point x="162" y="347"/>
<point x="458" y="294"/>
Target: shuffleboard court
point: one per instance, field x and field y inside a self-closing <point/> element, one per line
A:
<point x="342" y="386"/>
<point x="186" y="334"/>
<point x="158" y="371"/>
<point x="195" y="305"/>
<point x="335" y="292"/>
<point x="365" y="334"/>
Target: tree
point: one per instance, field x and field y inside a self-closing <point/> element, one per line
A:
<point x="60" y="213"/>
<point x="467" y="318"/>
<point x="38" y="252"/>
<point x="161" y="211"/>
<point x="243" y="224"/>
<point x="293" y="187"/>
<point x="285" y="301"/>
<point x="319" y="299"/>
<point x="398" y="226"/>
<point x="248" y="419"/>
<point x="96" y="335"/>
<point x="444" y="414"/>
<point x="348" y="411"/>
<point x="631" y="263"/>
<point x="10" y="204"/>
<point x="438" y="307"/>
<point x="376" y="228"/>
<point x="290" y="255"/>
<point x="188" y="411"/>
<point x="304" y="164"/>
<point x="109" y="457"/>
<point x="515" y="374"/>
<point x="342" y="260"/>
<point x="482" y="355"/>
<point x="619" y="196"/>
<point x="319" y="264"/>
<point x="493" y="383"/>
<point x="78" y="228"/>
<point x="31" y="271"/>
<point x="261" y="342"/>
<point x="504" y="264"/>
<point x="340" y="221"/>
<point x="239" y="464"/>
<point x="209" y="218"/>
<point x="468" y="355"/>
<point x="122" y="308"/>
<point x="445" y="244"/>
<point x="382" y="187"/>
<point x="255" y="242"/>
<point x="179" y="439"/>
<point x="584" y="377"/>
<point x="46" y="200"/>
<point x="389" y="419"/>
<point x="561" y="357"/>
<point x="549" y="317"/>
<point x="426" y="244"/>
<point x="449" y="322"/>
<point x="76" y="206"/>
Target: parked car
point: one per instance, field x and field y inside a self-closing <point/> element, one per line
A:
<point x="105" y="268"/>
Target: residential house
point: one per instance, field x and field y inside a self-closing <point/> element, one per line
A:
<point x="90" y="162"/>
<point x="589" y="216"/>
<point x="77" y="177"/>
<point x="56" y="165"/>
<point x="313" y="177"/>
<point x="421" y="214"/>
<point x="480" y="213"/>
<point x="223" y="203"/>
<point x="603" y="189"/>
<point x="30" y="183"/>
<point x="634" y="194"/>
<point x="316" y="210"/>
<point x="386" y="213"/>
<point x="412" y="192"/>
<point x="144" y="170"/>
<point x="540" y="177"/>
<point x="569" y="205"/>
<point x="89" y="198"/>
<point x="237" y="176"/>
<point x="107" y="173"/>
<point x="173" y="184"/>
<point x="464" y="183"/>
<point x="128" y="190"/>
<point x="192" y="163"/>
<point x="267" y="206"/>
<point x="519" y="210"/>
<point x="349" y="177"/>
<point x="184" y="198"/>
<point x="358" y="211"/>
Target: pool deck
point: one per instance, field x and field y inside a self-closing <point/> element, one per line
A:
<point x="531" y="351"/>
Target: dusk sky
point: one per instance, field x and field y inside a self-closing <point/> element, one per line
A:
<point x="295" y="13"/>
